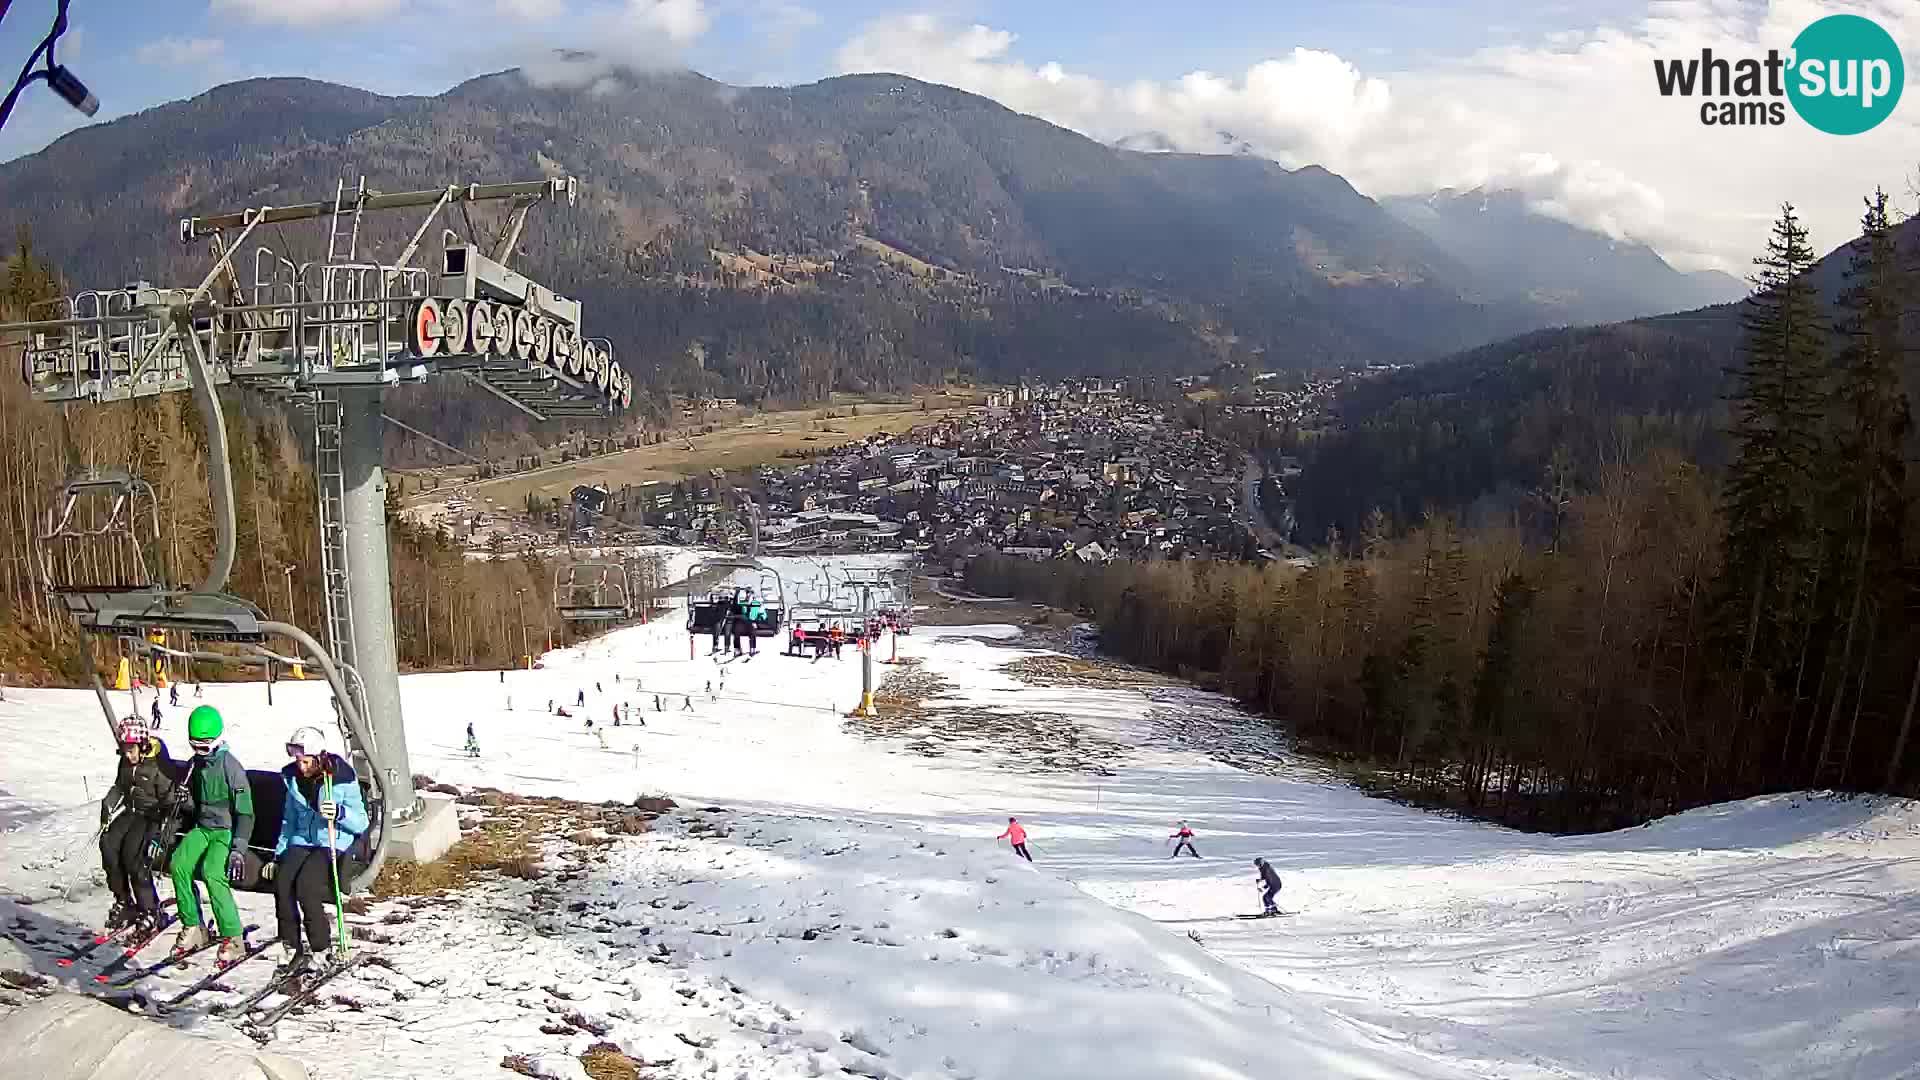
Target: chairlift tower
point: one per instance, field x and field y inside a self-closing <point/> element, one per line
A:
<point x="327" y="338"/>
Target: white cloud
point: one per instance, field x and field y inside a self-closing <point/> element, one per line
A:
<point x="180" y="52"/>
<point x="531" y="10"/>
<point x="1573" y="120"/>
<point x="310" y="14"/>
<point x="777" y="22"/>
<point x="638" y="35"/>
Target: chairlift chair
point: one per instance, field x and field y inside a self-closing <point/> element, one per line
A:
<point x="593" y="592"/>
<point x="703" y="616"/>
<point x="365" y="857"/>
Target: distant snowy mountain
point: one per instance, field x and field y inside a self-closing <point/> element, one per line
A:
<point x="1586" y="276"/>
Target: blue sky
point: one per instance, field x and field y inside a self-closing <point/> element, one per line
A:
<point x="1554" y="98"/>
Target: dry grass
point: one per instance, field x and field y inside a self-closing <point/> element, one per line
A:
<point x="502" y="836"/>
<point x="904" y="707"/>
<point x="604" y="1061"/>
<point x="732" y="448"/>
<point x="1073" y="671"/>
<point x="498" y="845"/>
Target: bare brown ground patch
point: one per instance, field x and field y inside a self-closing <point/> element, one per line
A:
<point x="519" y="836"/>
<point x="907" y="707"/>
<point x="1058" y="671"/>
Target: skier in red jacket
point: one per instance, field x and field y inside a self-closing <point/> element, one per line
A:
<point x="1016" y="834"/>
<point x="1184" y="836"/>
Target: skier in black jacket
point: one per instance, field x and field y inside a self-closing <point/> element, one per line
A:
<point x="132" y="814"/>
<point x="1270" y="883"/>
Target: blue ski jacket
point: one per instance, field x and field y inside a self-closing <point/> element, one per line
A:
<point x="300" y="822"/>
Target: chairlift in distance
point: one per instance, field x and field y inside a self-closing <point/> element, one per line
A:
<point x="593" y="592"/>
<point x="704" y="614"/>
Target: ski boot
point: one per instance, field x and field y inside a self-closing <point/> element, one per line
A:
<point x="144" y="922"/>
<point x="293" y="962"/>
<point x="232" y="950"/>
<point x="119" y="915"/>
<point x="189" y="939"/>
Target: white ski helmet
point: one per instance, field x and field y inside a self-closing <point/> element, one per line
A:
<point x="308" y="740"/>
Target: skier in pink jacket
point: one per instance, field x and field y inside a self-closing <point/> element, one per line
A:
<point x="1017" y="835"/>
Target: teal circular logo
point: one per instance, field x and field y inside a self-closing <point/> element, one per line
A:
<point x="1846" y="76"/>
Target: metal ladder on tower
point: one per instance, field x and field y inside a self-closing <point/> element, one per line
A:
<point x="351" y="219"/>
<point x="343" y="240"/>
<point x="331" y="482"/>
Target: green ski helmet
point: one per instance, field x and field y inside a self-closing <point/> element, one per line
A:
<point x="204" y="724"/>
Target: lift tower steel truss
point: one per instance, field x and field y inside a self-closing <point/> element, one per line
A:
<point x="328" y="338"/>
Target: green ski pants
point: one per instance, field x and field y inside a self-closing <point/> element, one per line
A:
<point x="209" y="848"/>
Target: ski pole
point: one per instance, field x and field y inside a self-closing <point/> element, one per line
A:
<point x="333" y="864"/>
<point x="74" y="881"/>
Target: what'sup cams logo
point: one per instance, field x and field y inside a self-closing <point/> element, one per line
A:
<point x="1843" y="75"/>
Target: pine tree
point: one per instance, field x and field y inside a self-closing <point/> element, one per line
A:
<point x="1772" y="537"/>
<point x="1493" y="683"/>
<point x="1870" y="420"/>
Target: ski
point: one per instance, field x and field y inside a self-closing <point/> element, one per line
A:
<point x="86" y="948"/>
<point x="1264" y="915"/>
<point x="245" y="1005"/>
<point x="261" y="1027"/>
<point x="173" y="960"/>
<point x="131" y="948"/>
<point x="169" y="1004"/>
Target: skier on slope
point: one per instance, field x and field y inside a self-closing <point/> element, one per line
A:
<point x="323" y="816"/>
<point x="581" y="700"/>
<point x="211" y="849"/>
<point x="1269" y="884"/>
<point x="1016" y="835"/>
<point x="751" y="618"/>
<point x="173" y="695"/>
<point x="722" y="623"/>
<point x="1184" y="836"/>
<point x="686" y="704"/>
<point x="156" y="712"/>
<point x="473" y="741"/>
<point x="131" y="815"/>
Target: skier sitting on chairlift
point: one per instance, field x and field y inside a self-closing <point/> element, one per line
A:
<point x="323" y="816"/>
<point x="132" y="816"/>
<point x="222" y="818"/>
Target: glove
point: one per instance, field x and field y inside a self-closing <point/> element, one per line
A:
<point x="236" y="866"/>
<point x="154" y="852"/>
<point x="182" y="798"/>
<point x="329" y="809"/>
<point x="106" y="816"/>
<point x="266" y="871"/>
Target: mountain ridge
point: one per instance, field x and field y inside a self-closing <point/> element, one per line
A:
<point x="1585" y="275"/>
<point x="1145" y="263"/>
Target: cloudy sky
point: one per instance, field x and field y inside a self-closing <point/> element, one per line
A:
<point x="1556" y="99"/>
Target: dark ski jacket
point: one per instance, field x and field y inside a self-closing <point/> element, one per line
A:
<point x="145" y="788"/>
<point x="1269" y="875"/>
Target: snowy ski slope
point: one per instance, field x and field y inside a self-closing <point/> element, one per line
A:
<point x="846" y="910"/>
